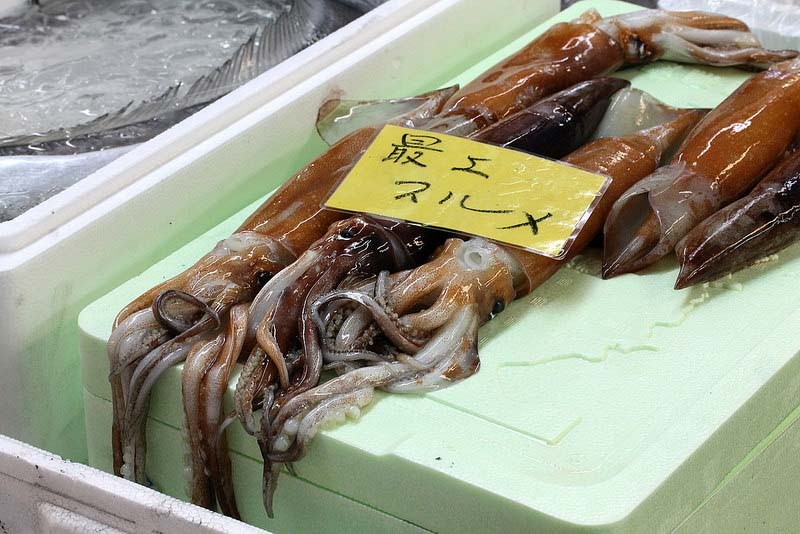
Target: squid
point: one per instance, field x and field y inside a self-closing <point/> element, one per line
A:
<point x="192" y="315"/>
<point x="725" y="155"/>
<point x="444" y="301"/>
<point x="590" y="46"/>
<point x="351" y="250"/>
<point x="762" y="223"/>
<point x="161" y="327"/>
<point x="553" y="125"/>
<point x="288" y="357"/>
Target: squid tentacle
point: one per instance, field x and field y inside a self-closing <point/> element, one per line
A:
<point x="183" y="328"/>
<point x="212" y="390"/>
<point x="200" y="357"/>
<point x="405" y="339"/>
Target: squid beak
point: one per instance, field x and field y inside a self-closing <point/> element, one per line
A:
<point x="735" y="237"/>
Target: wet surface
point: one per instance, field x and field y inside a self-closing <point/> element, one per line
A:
<point x="71" y="60"/>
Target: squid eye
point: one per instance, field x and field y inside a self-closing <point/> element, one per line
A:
<point x="638" y="47"/>
<point x="498" y="307"/>
<point x="263" y="277"/>
<point x="348" y="232"/>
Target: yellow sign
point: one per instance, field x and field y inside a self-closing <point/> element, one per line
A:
<point x="470" y="187"/>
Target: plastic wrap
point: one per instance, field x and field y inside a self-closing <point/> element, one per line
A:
<point x="775" y="22"/>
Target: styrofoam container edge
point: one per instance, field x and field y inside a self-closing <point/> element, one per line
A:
<point x="42" y="492"/>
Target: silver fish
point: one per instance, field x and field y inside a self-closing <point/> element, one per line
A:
<point x="36" y="166"/>
<point x="305" y="22"/>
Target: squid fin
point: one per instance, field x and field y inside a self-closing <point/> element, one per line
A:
<point x="646" y="223"/>
<point x="631" y="111"/>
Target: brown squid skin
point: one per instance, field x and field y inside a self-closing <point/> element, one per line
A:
<point x="762" y="223"/>
<point x="292" y="217"/>
<point x="734" y="146"/>
<point x="564" y="55"/>
<point x="570" y="52"/>
<point x="625" y="159"/>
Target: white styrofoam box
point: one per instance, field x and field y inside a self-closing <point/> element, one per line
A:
<point x="68" y="251"/>
<point x="40" y="492"/>
<point x="202" y="126"/>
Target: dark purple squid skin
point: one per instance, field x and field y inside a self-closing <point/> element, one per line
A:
<point x="762" y="223"/>
<point x="559" y="124"/>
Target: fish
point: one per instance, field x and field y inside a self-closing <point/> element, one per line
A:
<point x="304" y="23"/>
<point x="26" y="181"/>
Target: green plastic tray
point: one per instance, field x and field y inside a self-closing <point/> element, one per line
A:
<point x="603" y="405"/>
